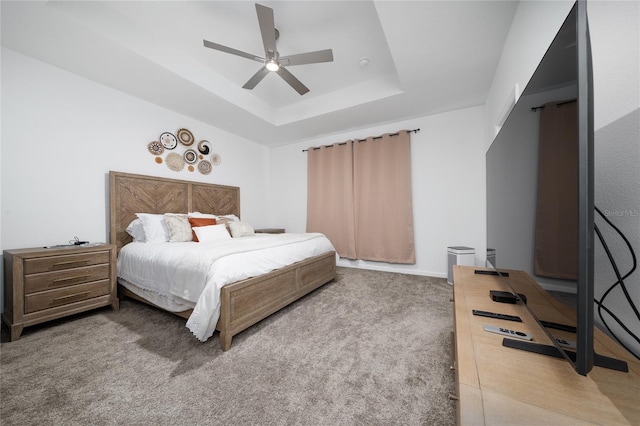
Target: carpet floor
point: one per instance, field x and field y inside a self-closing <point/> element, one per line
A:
<point x="370" y="348"/>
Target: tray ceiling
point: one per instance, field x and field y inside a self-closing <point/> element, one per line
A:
<point x="424" y="57"/>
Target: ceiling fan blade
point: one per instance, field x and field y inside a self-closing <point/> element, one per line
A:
<point x="267" y="29"/>
<point x="308" y="58"/>
<point x="231" y="50"/>
<point x="257" y="78"/>
<point x="293" y="82"/>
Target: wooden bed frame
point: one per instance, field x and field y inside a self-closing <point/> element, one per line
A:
<point x="243" y="303"/>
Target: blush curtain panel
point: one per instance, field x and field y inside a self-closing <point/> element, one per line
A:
<point x="556" y="235"/>
<point x="359" y="196"/>
<point x="330" y="196"/>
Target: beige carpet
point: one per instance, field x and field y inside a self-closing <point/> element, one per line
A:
<point x="370" y="348"/>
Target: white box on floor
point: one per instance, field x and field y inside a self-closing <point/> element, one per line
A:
<point x="459" y="255"/>
<point x="491" y="257"/>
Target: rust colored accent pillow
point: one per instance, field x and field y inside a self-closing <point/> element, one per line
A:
<point x="199" y="221"/>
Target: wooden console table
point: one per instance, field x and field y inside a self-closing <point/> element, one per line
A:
<point x="497" y="385"/>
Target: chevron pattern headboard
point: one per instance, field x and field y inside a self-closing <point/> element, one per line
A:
<point x="130" y="194"/>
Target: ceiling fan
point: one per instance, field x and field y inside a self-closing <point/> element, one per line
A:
<point x="273" y="62"/>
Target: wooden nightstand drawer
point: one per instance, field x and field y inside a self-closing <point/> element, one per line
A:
<point x="57" y="263"/>
<point x="50" y="299"/>
<point x="52" y="280"/>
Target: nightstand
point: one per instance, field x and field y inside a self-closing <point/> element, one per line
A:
<point x="270" y="231"/>
<point x="43" y="284"/>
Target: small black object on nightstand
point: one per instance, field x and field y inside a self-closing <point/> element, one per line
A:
<point x="270" y="231"/>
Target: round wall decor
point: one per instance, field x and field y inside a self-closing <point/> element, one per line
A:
<point x="185" y="137"/>
<point x="155" y="148"/>
<point x="175" y="161"/>
<point x="204" y="167"/>
<point x="168" y="140"/>
<point x="190" y="156"/>
<point x="204" y="147"/>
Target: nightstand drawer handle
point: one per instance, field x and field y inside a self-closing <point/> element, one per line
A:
<point x="61" y="280"/>
<point x="71" y="262"/>
<point x="66" y="298"/>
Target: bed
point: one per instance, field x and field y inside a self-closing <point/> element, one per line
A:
<point x="241" y="303"/>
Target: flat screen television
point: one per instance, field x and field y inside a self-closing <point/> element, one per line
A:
<point x="540" y="193"/>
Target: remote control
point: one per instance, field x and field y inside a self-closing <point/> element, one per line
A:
<point x="507" y="332"/>
<point x="497" y="316"/>
<point x="490" y="272"/>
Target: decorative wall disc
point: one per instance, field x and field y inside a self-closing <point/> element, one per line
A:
<point x="204" y="167"/>
<point x="168" y="140"/>
<point x="216" y="159"/>
<point x="185" y="137"/>
<point x="175" y="162"/>
<point x="190" y="156"/>
<point x="155" y="148"/>
<point x="204" y="147"/>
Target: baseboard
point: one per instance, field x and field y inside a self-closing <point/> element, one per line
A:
<point x="360" y="264"/>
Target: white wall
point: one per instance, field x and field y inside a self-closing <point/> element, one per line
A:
<point x="616" y="73"/>
<point x="616" y="66"/>
<point x="448" y="168"/>
<point x="534" y="26"/>
<point x="61" y="134"/>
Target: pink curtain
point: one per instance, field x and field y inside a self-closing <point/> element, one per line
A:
<point x="330" y="196"/>
<point x="556" y="232"/>
<point x="359" y="196"/>
<point x="382" y="198"/>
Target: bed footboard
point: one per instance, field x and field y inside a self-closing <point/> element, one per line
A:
<point x="246" y="302"/>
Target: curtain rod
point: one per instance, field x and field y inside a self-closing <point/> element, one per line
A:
<point x="534" y="109"/>
<point x="362" y="140"/>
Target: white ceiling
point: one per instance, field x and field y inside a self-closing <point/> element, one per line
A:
<point x="425" y="57"/>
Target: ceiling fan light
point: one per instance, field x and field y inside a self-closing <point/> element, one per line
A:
<point x="272" y="66"/>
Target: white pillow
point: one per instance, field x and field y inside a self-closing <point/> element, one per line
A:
<point x="203" y="215"/>
<point x="179" y="227"/>
<point x="212" y="233"/>
<point x="241" y="229"/>
<point x="136" y="230"/>
<point x="155" y="228"/>
<point x="230" y="217"/>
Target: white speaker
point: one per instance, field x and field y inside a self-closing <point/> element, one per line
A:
<point x="459" y="255"/>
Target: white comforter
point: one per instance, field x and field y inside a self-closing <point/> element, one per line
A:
<point x="195" y="272"/>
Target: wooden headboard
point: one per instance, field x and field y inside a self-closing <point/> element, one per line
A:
<point x="130" y="194"/>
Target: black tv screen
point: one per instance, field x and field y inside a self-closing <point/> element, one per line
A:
<point x="540" y="193"/>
